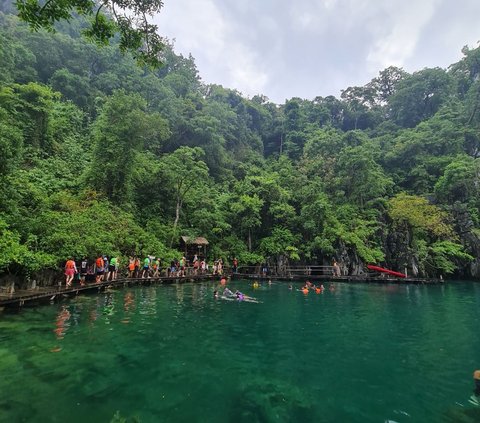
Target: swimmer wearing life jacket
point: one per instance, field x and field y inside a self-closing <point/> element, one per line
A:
<point x="318" y="290"/>
<point x="256" y="284"/>
<point x="223" y="281"/>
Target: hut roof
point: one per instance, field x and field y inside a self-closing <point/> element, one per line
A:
<point x="200" y="240"/>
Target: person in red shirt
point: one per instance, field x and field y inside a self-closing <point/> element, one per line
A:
<point x="70" y="270"/>
<point x="100" y="266"/>
<point x="131" y="267"/>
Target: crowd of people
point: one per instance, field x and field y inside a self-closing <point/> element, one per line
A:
<point x="105" y="268"/>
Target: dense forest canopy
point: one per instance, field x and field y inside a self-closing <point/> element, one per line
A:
<point x="100" y="155"/>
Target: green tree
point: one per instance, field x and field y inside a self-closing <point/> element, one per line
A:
<point x="386" y="83"/>
<point x="418" y="213"/>
<point x="246" y="211"/>
<point x="11" y="141"/>
<point x="121" y="130"/>
<point x="281" y="243"/>
<point x="186" y="172"/>
<point x="360" y="107"/>
<point x="359" y="177"/>
<point x="31" y="105"/>
<point x="445" y="256"/>
<point x="419" y="96"/>
<point x="127" y="18"/>
<point x="460" y="181"/>
<point x="16" y="257"/>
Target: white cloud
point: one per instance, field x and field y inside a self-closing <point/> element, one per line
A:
<point x="403" y="33"/>
<point x="307" y="48"/>
<point x="202" y="29"/>
<point x="194" y="26"/>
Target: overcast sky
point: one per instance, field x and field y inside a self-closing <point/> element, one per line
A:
<point x="306" y="48"/>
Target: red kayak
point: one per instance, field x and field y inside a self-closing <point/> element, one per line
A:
<point x="387" y="271"/>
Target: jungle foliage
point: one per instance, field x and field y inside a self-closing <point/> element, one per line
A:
<point x="100" y="155"/>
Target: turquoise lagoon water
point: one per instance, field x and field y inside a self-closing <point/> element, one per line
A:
<point x="360" y="353"/>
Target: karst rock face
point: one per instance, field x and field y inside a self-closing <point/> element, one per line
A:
<point x="464" y="226"/>
<point x="401" y="255"/>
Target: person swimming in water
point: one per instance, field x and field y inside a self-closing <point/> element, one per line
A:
<point x="228" y="293"/>
<point x="215" y="294"/>
<point x="240" y="296"/>
<point x="475" y="398"/>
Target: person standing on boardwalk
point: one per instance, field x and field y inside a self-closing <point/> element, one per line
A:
<point x="196" y="265"/>
<point x="131" y="267"/>
<point x="99" y="269"/>
<point x="106" y="266"/>
<point x="70" y="270"/>
<point x="182" y="266"/>
<point x="146" y="267"/>
<point x="155" y="267"/>
<point x="336" y="269"/>
<point x="137" y="267"/>
<point x="235" y="265"/>
<point x="112" y="267"/>
<point x="83" y="270"/>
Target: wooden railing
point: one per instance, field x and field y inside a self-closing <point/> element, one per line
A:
<point x="288" y="271"/>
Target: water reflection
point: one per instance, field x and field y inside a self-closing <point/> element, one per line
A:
<point x="128" y="306"/>
<point x="61" y="323"/>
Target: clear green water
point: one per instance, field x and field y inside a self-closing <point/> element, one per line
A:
<point x="363" y="353"/>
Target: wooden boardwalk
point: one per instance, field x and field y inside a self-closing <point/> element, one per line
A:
<point x="53" y="293"/>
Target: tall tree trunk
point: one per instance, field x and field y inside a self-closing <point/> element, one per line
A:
<point x="249" y="240"/>
<point x="177" y="218"/>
